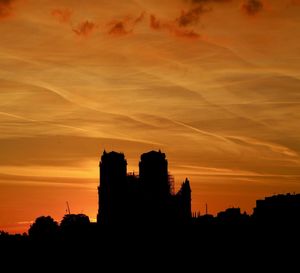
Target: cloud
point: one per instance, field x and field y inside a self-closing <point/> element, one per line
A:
<point x="62" y="15"/>
<point x="158" y="25"/>
<point x="6" y="8"/>
<point x="155" y="23"/>
<point x="191" y="17"/>
<point x="198" y="7"/>
<point x="119" y="29"/>
<point x="25" y="222"/>
<point x="172" y="28"/>
<point x="54" y="181"/>
<point x="47" y="150"/>
<point x="85" y="28"/>
<point x="140" y="18"/>
<point x="125" y="26"/>
<point x="252" y="7"/>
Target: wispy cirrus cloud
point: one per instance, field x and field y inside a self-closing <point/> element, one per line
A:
<point x="51" y="181"/>
<point x="190" y="34"/>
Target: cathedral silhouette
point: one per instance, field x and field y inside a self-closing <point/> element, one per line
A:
<point x="147" y="198"/>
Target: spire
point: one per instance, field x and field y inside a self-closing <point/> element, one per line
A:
<point x="186" y="185"/>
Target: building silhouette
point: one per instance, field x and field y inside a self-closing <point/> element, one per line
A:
<point x="233" y="216"/>
<point x="112" y="189"/>
<point x="183" y="202"/>
<point x="282" y="209"/>
<point x="147" y="198"/>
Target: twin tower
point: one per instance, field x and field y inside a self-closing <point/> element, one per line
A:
<point x="147" y="198"/>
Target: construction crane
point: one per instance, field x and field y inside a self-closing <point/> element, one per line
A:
<point x="68" y="208"/>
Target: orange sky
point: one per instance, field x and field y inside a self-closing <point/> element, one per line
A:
<point x="215" y="84"/>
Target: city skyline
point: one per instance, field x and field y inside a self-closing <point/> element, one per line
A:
<point x="213" y="84"/>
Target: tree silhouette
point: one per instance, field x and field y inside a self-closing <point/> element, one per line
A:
<point x="44" y="227"/>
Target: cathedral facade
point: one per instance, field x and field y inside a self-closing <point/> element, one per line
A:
<point x="147" y="198"/>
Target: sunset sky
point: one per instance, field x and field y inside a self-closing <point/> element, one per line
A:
<point x="215" y="84"/>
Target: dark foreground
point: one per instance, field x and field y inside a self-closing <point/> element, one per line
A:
<point x="158" y="248"/>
